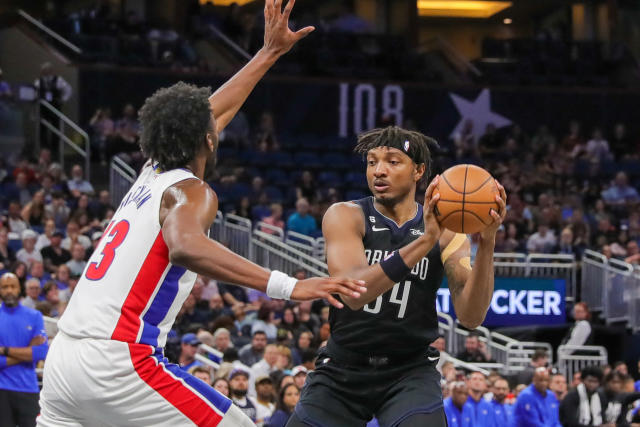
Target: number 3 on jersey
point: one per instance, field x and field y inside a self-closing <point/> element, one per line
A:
<point x="117" y="234"/>
<point x="394" y="299"/>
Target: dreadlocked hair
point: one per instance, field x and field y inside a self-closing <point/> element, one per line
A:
<point x="413" y="144"/>
<point x="175" y="121"/>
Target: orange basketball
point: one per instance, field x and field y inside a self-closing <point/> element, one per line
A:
<point x="467" y="195"/>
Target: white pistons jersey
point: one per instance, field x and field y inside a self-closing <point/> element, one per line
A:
<point x="129" y="290"/>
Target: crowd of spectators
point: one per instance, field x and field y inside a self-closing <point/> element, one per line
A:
<point x="564" y="197"/>
<point x="536" y="396"/>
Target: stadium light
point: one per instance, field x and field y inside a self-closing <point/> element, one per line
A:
<point x="461" y="9"/>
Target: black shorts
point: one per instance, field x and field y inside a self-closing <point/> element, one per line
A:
<point x="340" y="393"/>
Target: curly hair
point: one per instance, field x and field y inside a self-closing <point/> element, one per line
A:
<point x="175" y="121"/>
<point x="413" y="144"/>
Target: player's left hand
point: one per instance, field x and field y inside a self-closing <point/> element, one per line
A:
<point x="489" y="233"/>
<point x="326" y="287"/>
<point x="278" y="38"/>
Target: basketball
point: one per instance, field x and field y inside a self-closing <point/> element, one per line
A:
<point x="467" y="195"/>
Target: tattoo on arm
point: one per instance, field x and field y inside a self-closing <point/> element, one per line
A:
<point x="454" y="278"/>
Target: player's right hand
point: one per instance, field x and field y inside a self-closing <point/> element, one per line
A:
<point x="432" y="227"/>
<point x="325" y="287"/>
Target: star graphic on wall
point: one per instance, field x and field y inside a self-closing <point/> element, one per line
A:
<point x="479" y="112"/>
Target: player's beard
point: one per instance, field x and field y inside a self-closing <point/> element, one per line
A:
<point x="238" y="393"/>
<point x="387" y="201"/>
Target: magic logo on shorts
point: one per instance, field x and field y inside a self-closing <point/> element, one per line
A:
<point x="518" y="301"/>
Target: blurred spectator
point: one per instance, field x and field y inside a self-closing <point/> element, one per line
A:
<point x="58" y="210"/>
<point x="268" y="362"/>
<point x="266" y="138"/>
<point x="306" y="188"/>
<point x="33" y="212"/>
<point x="7" y="256"/>
<point x="77" y="263"/>
<point x="238" y="389"/>
<point x="260" y="209"/>
<point x="127" y="130"/>
<point x="475" y="350"/>
<point x="188" y="350"/>
<point x="502" y="411"/>
<point x="620" y="141"/>
<point x="36" y="270"/>
<point x="222" y="340"/>
<point x="456" y="407"/>
<point x="265" y="322"/>
<point x="536" y="405"/>
<point x="580" y="332"/>
<point x="28" y="253"/>
<point x="299" y="374"/>
<point x="541" y="241"/>
<point x="74" y="236"/>
<point x="633" y="253"/>
<point x="5" y="89"/>
<point x="77" y="184"/>
<point x="44" y="239"/>
<point x="263" y="402"/>
<point x="303" y="344"/>
<point x="620" y="193"/>
<point x="32" y="291"/>
<point x="253" y="352"/>
<point x="284" y="361"/>
<point x="23" y="343"/>
<point x="202" y="373"/>
<point x="481" y="410"/>
<point x="55" y="90"/>
<point x="584" y="405"/>
<point x="621" y="367"/>
<point x="619" y="400"/>
<point x="54" y="255"/>
<point x="222" y="385"/>
<point x="51" y="294"/>
<point x="102" y="130"/>
<point x="597" y="148"/>
<point x="539" y="359"/>
<point x="98" y="208"/>
<point x="558" y="385"/>
<point x="14" y="219"/>
<point x="573" y="138"/>
<point x="287" y="401"/>
<point x="300" y="221"/>
<point x="20" y="190"/>
<point x="275" y="219"/>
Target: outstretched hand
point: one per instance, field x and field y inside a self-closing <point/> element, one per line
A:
<point x="278" y="38"/>
<point x="325" y="287"/>
<point x="498" y="216"/>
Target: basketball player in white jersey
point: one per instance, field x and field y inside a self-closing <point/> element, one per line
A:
<point x="106" y="366"/>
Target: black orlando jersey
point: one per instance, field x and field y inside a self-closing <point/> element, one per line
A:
<point x="403" y="320"/>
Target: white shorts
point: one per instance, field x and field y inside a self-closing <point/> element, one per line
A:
<point x="91" y="382"/>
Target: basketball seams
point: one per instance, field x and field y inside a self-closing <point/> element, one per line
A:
<point x="463" y="212"/>
<point x="464" y="194"/>
<point x="480" y="187"/>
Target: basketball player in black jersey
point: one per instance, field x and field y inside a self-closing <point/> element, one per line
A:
<point x="378" y="361"/>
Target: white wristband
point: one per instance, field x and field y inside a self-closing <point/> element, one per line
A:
<point x="280" y="285"/>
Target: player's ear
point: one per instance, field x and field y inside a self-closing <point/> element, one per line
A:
<point x="419" y="172"/>
<point x="211" y="143"/>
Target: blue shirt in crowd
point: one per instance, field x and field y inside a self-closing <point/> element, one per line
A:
<point x="302" y="224"/>
<point x="532" y="409"/>
<point x="18" y="326"/>
<point x="457" y="417"/>
<point x="481" y="412"/>
<point x="502" y="414"/>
